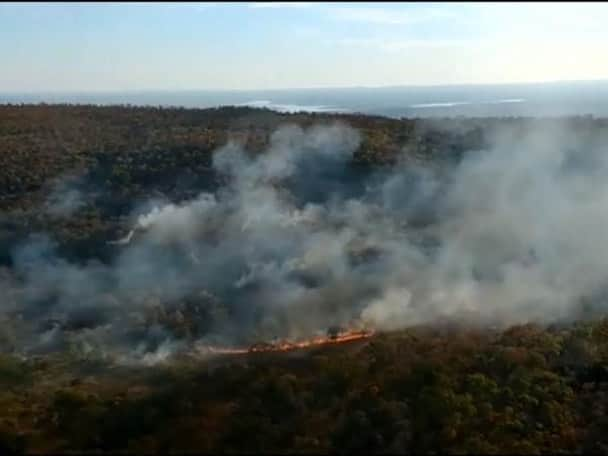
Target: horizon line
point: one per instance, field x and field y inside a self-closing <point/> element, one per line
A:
<point x="355" y="87"/>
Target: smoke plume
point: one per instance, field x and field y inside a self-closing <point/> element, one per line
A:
<point x="299" y="239"/>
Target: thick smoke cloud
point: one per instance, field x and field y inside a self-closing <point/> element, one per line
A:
<point x="298" y="239"/>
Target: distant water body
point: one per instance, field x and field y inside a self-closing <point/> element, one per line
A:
<point x="449" y="104"/>
<point x="513" y="100"/>
<point x="291" y="108"/>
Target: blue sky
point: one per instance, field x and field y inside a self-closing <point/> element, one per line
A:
<point x="122" y="46"/>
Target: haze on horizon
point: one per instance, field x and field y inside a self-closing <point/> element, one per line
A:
<point x="262" y="46"/>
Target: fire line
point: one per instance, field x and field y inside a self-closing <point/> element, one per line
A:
<point x="284" y="346"/>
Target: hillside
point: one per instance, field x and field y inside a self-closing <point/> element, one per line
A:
<point x="524" y="390"/>
<point x="473" y="248"/>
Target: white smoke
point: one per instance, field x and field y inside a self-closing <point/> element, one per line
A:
<point x="297" y="240"/>
<point x="65" y="198"/>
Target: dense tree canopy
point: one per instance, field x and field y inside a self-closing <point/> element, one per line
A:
<point x="445" y="388"/>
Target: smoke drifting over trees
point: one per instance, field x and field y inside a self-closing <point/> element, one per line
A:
<point x="298" y="238"/>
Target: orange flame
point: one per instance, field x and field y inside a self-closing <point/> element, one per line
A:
<point x="283" y="346"/>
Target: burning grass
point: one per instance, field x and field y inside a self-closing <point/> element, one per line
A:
<point x="286" y="345"/>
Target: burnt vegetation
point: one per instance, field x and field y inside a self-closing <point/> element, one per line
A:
<point x="446" y="388"/>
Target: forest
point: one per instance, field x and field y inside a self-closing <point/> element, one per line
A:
<point x="451" y="385"/>
<point x="526" y="389"/>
